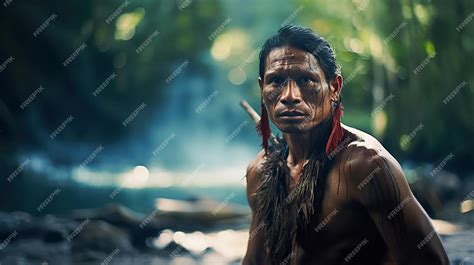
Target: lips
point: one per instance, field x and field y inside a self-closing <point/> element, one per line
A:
<point x="291" y="113"/>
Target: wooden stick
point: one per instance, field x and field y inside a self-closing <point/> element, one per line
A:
<point x="252" y="113"/>
<point x="255" y="117"/>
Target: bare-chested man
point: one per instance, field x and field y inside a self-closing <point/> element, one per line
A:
<point x="327" y="193"/>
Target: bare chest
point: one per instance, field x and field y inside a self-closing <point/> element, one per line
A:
<point x="337" y="227"/>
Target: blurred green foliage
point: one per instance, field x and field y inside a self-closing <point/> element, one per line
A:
<point x="38" y="61"/>
<point x="379" y="45"/>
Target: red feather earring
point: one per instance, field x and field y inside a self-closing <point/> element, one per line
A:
<point x="337" y="132"/>
<point x="263" y="127"/>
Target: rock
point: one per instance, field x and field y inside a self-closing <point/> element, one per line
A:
<point x="432" y="187"/>
<point x="101" y="236"/>
<point x="18" y="221"/>
<point x="48" y="228"/>
<point x="124" y="218"/>
<point x="115" y="214"/>
<point x="459" y="247"/>
<point x="35" y="249"/>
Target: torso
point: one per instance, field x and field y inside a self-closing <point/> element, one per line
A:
<point x="342" y="226"/>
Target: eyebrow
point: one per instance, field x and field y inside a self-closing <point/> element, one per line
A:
<point x="279" y="71"/>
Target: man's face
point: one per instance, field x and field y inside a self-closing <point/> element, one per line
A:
<point x="295" y="91"/>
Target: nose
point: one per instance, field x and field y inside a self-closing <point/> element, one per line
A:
<point x="291" y="94"/>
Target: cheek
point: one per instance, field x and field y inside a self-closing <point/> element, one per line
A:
<point x="266" y="94"/>
<point x="269" y="102"/>
<point x="326" y="108"/>
<point x="319" y="103"/>
<point x="270" y="97"/>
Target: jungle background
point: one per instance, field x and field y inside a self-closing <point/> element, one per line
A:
<point x="126" y="114"/>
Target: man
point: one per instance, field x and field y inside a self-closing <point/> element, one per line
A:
<point x="326" y="193"/>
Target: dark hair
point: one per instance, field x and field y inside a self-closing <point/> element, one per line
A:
<point x="304" y="39"/>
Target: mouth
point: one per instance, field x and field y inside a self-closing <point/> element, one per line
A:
<point x="292" y="116"/>
<point x="291" y="113"/>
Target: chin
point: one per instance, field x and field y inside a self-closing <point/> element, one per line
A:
<point x="301" y="127"/>
<point x="293" y="128"/>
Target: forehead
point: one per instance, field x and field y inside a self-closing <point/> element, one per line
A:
<point x="286" y="58"/>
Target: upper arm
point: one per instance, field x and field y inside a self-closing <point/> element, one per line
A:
<point x="253" y="181"/>
<point x="255" y="247"/>
<point x="382" y="189"/>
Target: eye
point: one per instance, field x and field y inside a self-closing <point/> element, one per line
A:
<point x="307" y="80"/>
<point x="275" y="80"/>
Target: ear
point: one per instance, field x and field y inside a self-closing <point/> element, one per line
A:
<point x="336" y="87"/>
<point x="260" y="83"/>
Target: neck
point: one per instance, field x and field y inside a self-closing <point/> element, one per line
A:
<point x="301" y="146"/>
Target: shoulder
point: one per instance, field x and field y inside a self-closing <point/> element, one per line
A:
<point x="365" y="152"/>
<point x="370" y="166"/>
<point x="253" y="176"/>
